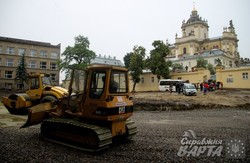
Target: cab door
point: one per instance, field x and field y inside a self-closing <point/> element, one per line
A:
<point x="35" y="88"/>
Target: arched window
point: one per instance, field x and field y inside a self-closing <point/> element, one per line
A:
<point x="184" y="50"/>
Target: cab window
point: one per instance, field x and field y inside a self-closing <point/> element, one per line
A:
<point x="118" y="82"/>
<point x="97" y="84"/>
<point x="34" y="83"/>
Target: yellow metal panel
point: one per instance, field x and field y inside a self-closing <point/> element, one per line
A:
<point x="118" y="128"/>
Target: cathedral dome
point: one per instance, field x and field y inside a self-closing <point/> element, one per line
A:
<point x="194" y="19"/>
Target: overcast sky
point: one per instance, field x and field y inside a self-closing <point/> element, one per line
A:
<point x="114" y="27"/>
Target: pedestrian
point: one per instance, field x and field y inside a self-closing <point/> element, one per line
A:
<point x="198" y="86"/>
<point x="218" y="85"/>
<point x="213" y="86"/>
<point x="171" y="88"/>
<point x="201" y="86"/>
<point x="205" y="88"/>
<point x="178" y="87"/>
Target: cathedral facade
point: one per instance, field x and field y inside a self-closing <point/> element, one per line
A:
<point x="196" y="43"/>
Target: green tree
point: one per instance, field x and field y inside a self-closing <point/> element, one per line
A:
<point x="136" y="64"/>
<point x="210" y="67"/>
<point x="21" y="72"/>
<point x="78" y="56"/>
<point x="126" y="59"/>
<point x="201" y="63"/>
<point x="156" y="62"/>
<point x="177" y="66"/>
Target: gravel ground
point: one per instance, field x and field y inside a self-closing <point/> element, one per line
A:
<point x="158" y="139"/>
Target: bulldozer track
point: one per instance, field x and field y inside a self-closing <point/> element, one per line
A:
<point x="131" y="129"/>
<point x="79" y="135"/>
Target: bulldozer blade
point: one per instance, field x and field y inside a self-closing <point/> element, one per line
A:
<point x="36" y="114"/>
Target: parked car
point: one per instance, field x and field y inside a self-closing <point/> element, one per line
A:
<point x="189" y="89"/>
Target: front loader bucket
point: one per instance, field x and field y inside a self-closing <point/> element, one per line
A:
<point x="36" y="114"/>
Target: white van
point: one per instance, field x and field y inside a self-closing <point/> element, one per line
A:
<point x="164" y="84"/>
<point x="189" y="89"/>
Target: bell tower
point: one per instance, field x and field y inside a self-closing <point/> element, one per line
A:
<point x="195" y="26"/>
<point x="194" y="31"/>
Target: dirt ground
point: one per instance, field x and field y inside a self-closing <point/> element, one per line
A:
<point x="218" y="98"/>
<point x="231" y="98"/>
<point x="158" y="139"/>
<point x="159" y="133"/>
<point x="156" y="100"/>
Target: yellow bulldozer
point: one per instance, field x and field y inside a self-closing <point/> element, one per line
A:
<point x="94" y="117"/>
<point x="40" y="90"/>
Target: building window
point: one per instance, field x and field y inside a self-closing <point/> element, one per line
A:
<point x="32" y="53"/>
<point x="53" y="77"/>
<point x="0" y="61"/>
<point x="245" y="75"/>
<point x="43" y="65"/>
<point x="54" y="55"/>
<point x="197" y="49"/>
<point x="1" y="49"/>
<point x="8" y="86"/>
<point x="19" y="86"/>
<point x="142" y="80"/>
<point x="230" y="80"/>
<point x="32" y="64"/>
<point x="230" y="64"/>
<point x="9" y="62"/>
<point x="10" y="50"/>
<point x="152" y="79"/>
<point x="43" y="54"/>
<point x="8" y="74"/>
<point x="53" y="66"/>
<point x="18" y="62"/>
<point x="184" y="50"/>
<point x="21" y="51"/>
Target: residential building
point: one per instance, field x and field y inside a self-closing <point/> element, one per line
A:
<point x="107" y="60"/>
<point x="40" y="57"/>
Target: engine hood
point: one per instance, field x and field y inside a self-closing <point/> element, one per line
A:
<point x="60" y="90"/>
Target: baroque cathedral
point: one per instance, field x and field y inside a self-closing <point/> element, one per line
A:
<point x="195" y="43"/>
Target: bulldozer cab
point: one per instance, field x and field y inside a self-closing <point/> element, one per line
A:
<point x="107" y="81"/>
<point x="97" y="86"/>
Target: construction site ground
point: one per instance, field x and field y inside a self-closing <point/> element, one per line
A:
<point x="162" y="119"/>
<point x="175" y="101"/>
